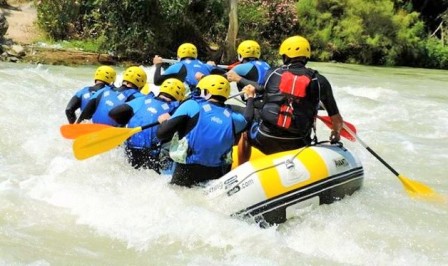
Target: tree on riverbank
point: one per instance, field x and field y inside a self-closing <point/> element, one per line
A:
<point x="383" y="32"/>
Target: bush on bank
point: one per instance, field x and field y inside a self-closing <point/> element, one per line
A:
<point x="381" y="32"/>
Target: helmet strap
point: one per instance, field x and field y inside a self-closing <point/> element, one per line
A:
<point x="205" y="94"/>
<point x="240" y="58"/>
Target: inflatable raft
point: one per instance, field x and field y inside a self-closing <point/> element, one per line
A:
<point x="273" y="188"/>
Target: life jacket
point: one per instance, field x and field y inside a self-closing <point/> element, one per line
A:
<point x="262" y="68"/>
<point x="85" y="94"/>
<point x="148" y="113"/>
<point x="111" y="97"/>
<point x="293" y="102"/>
<point x="210" y="141"/>
<point x="193" y="66"/>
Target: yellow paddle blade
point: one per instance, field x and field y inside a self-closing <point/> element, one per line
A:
<point x="73" y="131"/>
<point x="417" y="189"/>
<point x="101" y="141"/>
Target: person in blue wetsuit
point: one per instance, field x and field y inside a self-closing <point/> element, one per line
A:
<point x="189" y="69"/>
<point x="104" y="76"/>
<point x="202" y="131"/>
<point x="143" y="149"/>
<point x="134" y="78"/>
<point x="251" y="69"/>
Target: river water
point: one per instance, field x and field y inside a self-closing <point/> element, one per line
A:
<point x="56" y="210"/>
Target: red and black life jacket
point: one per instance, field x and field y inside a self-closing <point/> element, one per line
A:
<point x="291" y="99"/>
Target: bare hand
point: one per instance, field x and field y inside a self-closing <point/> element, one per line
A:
<point x="212" y="63"/>
<point x="233" y="76"/>
<point x="163" y="117"/>
<point x="249" y="91"/>
<point x="198" y="76"/>
<point x="157" y="60"/>
<point x="335" y="137"/>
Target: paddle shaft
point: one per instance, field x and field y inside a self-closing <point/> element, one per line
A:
<point x="173" y="61"/>
<point x="370" y="150"/>
<point x="149" y="125"/>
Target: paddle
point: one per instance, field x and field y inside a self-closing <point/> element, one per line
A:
<point x="413" y="188"/>
<point x="72" y="131"/>
<point x="173" y="61"/>
<point x="344" y="133"/>
<point x="104" y="140"/>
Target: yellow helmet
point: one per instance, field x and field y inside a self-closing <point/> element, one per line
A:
<point x="135" y="75"/>
<point x="249" y="48"/>
<point x="105" y="74"/>
<point x="216" y="85"/>
<point x="146" y="89"/>
<point x="173" y="87"/>
<point x="187" y="50"/>
<point x="295" y="46"/>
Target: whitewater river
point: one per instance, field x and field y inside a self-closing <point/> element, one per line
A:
<point x="56" y="210"/>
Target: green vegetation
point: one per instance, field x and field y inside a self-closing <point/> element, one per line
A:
<point x="379" y="32"/>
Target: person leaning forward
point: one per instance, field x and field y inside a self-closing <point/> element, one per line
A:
<point x="104" y="76"/>
<point x="99" y="106"/>
<point x="188" y="69"/>
<point x="202" y="133"/>
<point x="292" y="93"/>
<point x="144" y="150"/>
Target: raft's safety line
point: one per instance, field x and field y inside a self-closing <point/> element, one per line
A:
<point x="356" y="172"/>
<point x="287" y="161"/>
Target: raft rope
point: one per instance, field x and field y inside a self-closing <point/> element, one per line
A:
<point x="288" y="163"/>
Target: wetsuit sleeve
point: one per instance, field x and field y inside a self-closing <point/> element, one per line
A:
<point x="73" y="105"/>
<point x="239" y="122"/>
<point x="218" y="71"/>
<point x="177" y="70"/>
<point x="121" y="114"/>
<point x="89" y="110"/>
<point x="326" y="96"/>
<point x="124" y="112"/>
<point x="249" y="110"/>
<point x="183" y="120"/>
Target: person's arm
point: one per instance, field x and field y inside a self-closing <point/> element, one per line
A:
<point x="330" y="105"/>
<point x="183" y="120"/>
<point x="249" y="110"/>
<point x="121" y="114"/>
<point x="177" y="70"/>
<point x="73" y="105"/>
<point x="89" y="110"/>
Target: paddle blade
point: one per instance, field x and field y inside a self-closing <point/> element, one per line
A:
<point x="101" y="141"/>
<point x="73" y="131"/>
<point x="344" y="132"/>
<point x="417" y="189"/>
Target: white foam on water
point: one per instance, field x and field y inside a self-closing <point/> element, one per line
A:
<point x="102" y="211"/>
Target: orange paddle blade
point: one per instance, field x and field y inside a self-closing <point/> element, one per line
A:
<point x="72" y="131"/>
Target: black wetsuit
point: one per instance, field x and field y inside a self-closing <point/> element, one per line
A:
<point x="76" y="101"/>
<point x="270" y="138"/>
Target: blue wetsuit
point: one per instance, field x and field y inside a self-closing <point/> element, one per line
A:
<point x="80" y="100"/>
<point x="104" y="100"/>
<point x="206" y="132"/>
<point x="143" y="148"/>
<point x="185" y="71"/>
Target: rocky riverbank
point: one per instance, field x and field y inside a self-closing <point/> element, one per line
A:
<point x="19" y="39"/>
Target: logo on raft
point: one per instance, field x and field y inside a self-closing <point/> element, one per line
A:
<point x="341" y="162"/>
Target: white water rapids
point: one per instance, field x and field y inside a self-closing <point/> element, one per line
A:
<point x="56" y="210"/>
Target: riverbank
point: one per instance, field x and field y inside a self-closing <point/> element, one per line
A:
<point x="23" y="41"/>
